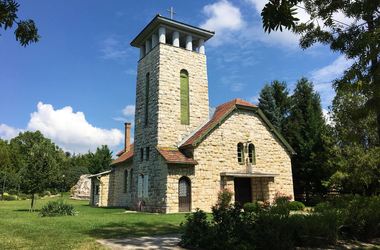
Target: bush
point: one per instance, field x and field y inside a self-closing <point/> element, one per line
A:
<point x="57" y="208"/>
<point x="10" y="197"/>
<point x="296" y="205"/>
<point x="196" y="229"/>
<point x="251" y="207"/>
<point x="44" y="193"/>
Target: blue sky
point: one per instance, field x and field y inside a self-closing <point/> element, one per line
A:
<point x="77" y="85"/>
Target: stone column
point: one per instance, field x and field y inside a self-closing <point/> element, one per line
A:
<point x="201" y="46"/>
<point x="162" y="34"/>
<point x="154" y="40"/>
<point x="176" y="39"/>
<point x="142" y="51"/>
<point x="148" y="46"/>
<point x="189" y="42"/>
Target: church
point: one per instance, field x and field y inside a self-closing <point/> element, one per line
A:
<point x="185" y="151"/>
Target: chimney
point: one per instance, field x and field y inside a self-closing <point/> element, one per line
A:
<point x="127" y="136"/>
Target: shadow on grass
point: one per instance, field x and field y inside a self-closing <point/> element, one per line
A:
<point x="123" y="230"/>
<point x="26" y="210"/>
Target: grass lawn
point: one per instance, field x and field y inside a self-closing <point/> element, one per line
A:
<point x="21" y="229"/>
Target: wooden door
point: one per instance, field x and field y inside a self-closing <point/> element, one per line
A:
<point x="243" y="192"/>
<point x="184" y="194"/>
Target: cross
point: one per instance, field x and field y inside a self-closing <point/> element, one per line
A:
<point x="171" y="12"/>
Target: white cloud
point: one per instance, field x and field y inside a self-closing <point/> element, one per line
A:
<point x="129" y="110"/>
<point x="131" y="72"/>
<point x="254" y="99"/>
<point x="224" y="19"/>
<point x="7" y="133"/>
<point x="323" y="78"/>
<point x="237" y="86"/>
<point x="70" y="130"/>
<point x="113" y="49"/>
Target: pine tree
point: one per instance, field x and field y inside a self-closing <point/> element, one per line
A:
<point x="306" y="126"/>
<point x="282" y="99"/>
<point x="268" y="106"/>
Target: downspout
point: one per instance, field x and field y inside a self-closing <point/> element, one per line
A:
<point x="101" y="192"/>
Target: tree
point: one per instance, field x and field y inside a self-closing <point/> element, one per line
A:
<point x="100" y="161"/>
<point x="358" y="40"/>
<point x="354" y="157"/>
<point x="267" y="104"/>
<point x="283" y="101"/>
<point x="26" y="31"/>
<point x="40" y="170"/>
<point x="306" y="126"/>
<point x="72" y="176"/>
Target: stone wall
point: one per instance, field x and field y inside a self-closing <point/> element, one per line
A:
<point x="164" y="63"/>
<point x="120" y="195"/>
<point x="218" y="153"/>
<point x="102" y="198"/>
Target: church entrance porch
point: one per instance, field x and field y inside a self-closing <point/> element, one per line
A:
<point x="249" y="187"/>
<point x="243" y="193"/>
<point x="184" y="191"/>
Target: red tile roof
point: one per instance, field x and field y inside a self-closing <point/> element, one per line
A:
<point x="173" y="155"/>
<point x="125" y="156"/>
<point x="220" y="111"/>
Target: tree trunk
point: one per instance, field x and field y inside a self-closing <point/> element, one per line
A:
<point x="31" y="205"/>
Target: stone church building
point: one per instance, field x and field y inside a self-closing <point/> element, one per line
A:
<point x="184" y="151"/>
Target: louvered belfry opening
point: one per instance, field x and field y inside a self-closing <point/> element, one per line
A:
<point x="184" y="194"/>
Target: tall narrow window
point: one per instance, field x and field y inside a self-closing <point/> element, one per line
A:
<point x="184" y="97"/>
<point x="141" y="154"/>
<point x="130" y="180"/>
<point x="251" y="154"/>
<point x="147" y="153"/>
<point x="146" y="98"/>
<point x="125" y="181"/>
<point x="240" y="152"/>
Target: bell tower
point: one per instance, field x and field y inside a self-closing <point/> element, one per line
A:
<point x="172" y="88"/>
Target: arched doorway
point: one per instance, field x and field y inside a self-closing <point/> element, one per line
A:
<point x="184" y="194"/>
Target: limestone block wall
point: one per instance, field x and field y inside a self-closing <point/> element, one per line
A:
<point x="218" y="153"/>
<point x="120" y="196"/>
<point x="164" y="63"/>
<point x="100" y="199"/>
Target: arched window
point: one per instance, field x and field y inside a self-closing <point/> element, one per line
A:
<point x="125" y="181"/>
<point x="146" y="98"/>
<point x="130" y="180"/>
<point x="251" y="154"/>
<point x="184" y="97"/>
<point x="240" y="152"/>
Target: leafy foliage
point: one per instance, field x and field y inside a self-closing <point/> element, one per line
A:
<point x="57" y="208"/>
<point x="41" y="167"/>
<point x="100" y="160"/>
<point x="296" y="205"/>
<point x="305" y="128"/>
<point x="26" y="31"/>
<point x="357" y="40"/>
<point x="72" y="176"/>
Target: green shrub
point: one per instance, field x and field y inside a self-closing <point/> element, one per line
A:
<point x="196" y="229"/>
<point x="57" y="208"/>
<point x="296" y="205"/>
<point x="10" y="197"/>
<point x="321" y="207"/>
<point x="251" y="207"/>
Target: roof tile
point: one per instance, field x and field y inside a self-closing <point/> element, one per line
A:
<point x="125" y="156"/>
<point x="173" y="155"/>
<point x="219" y="113"/>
